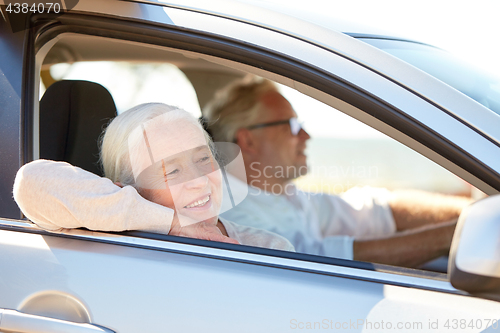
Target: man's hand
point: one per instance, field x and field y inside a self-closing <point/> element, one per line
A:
<point x="200" y="230"/>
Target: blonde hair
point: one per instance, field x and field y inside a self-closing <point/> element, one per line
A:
<point x="236" y="106"/>
<point x="115" y="146"/>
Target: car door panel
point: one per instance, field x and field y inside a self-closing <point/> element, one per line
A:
<point x="133" y="289"/>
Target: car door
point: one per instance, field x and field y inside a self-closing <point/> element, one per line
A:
<point x="141" y="282"/>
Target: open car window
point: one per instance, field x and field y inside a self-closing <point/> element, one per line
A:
<point x="343" y="153"/>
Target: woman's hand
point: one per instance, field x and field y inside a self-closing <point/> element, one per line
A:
<point x="200" y="230"/>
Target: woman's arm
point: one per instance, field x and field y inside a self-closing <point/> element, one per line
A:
<point x="58" y="195"/>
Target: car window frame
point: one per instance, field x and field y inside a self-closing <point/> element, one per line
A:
<point x="127" y="29"/>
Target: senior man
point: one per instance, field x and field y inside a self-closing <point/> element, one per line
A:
<point x="405" y="228"/>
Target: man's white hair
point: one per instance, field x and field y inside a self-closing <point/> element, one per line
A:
<point x="115" y="153"/>
<point x="236" y="106"/>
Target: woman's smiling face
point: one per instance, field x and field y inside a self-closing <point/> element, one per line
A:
<point x="184" y="175"/>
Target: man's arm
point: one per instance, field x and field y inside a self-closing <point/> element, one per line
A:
<point x="410" y="248"/>
<point x="413" y="209"/>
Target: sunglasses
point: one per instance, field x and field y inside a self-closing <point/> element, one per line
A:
<point x="295" y="125"/>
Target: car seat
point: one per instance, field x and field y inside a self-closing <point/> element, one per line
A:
<point x="73" y="114"/>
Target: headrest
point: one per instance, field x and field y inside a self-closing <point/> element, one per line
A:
<point x="72" y="116"/>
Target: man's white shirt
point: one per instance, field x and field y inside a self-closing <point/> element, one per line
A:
<point x="316" y="223"/>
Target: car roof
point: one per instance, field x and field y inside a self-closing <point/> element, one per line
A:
<point x="287" y="19"/>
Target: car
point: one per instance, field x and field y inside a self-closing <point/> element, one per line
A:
<point x="87" y="281"/>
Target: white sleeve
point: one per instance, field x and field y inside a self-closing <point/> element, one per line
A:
<point x="332" y="246"/>
<point x="262" y="218"/>
<point x="359" y="213"/>
<point x="58" y="195"/>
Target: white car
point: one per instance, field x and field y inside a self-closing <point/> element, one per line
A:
<point x="83" y="281"/>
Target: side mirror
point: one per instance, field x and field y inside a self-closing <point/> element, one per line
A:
<point x="474" y="264"/>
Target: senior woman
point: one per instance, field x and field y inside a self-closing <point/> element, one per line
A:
<point x="161" y="176"/>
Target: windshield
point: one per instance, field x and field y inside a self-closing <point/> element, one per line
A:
<point x="480" y="86"/>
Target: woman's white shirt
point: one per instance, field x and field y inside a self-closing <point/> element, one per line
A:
<point x="256" y="237"/>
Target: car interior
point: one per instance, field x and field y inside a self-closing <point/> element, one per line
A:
<point x="73" y="111"/>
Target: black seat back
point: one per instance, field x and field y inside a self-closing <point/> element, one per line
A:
<point x="72" y="117"/>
